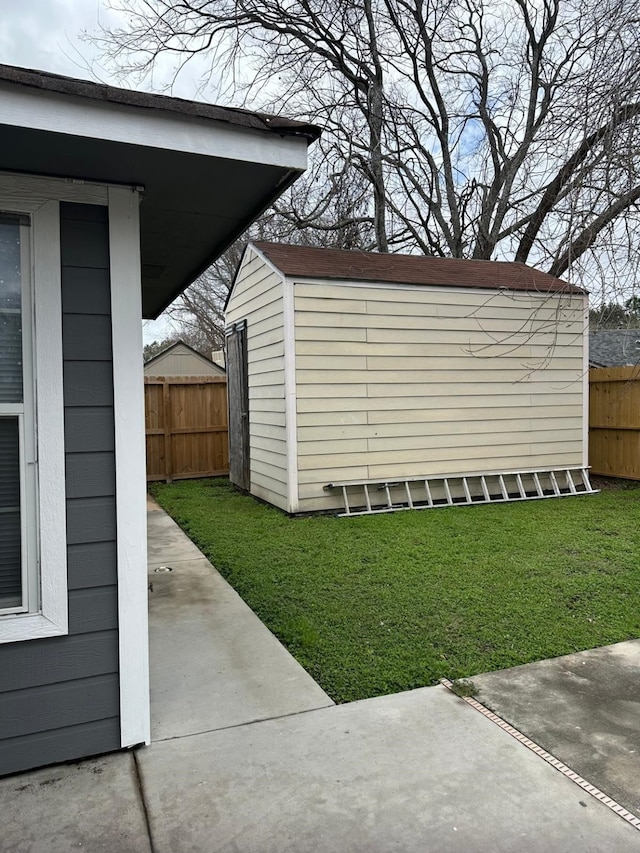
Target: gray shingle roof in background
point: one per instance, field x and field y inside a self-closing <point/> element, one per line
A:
<point x="614" y="347"/>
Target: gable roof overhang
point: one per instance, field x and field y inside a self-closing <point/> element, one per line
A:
<point x="206" y="172"/>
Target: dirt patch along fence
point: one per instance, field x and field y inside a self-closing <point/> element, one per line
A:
<point x="614" y="421"/>
<point x="187" y="433"/>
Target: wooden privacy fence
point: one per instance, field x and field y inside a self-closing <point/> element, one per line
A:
<point x="614" y="421"/>
<point x="186" y="426"/>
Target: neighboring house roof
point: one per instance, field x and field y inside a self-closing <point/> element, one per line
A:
<point x="614" y="347"/>
<point x="310" y="262"/>
<point x="206" y="172"/>
<point x="202" y="365"/>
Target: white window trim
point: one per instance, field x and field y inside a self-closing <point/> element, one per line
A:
<point x="52" y="620"/>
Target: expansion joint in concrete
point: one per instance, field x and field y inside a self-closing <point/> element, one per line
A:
<point x="143" y="802"/>
<point x="245" y="723"/>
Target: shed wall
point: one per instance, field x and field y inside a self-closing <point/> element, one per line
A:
<point x="59" y="697"/>
<point x="258" y="298"/>
<point x="410" y="381"/>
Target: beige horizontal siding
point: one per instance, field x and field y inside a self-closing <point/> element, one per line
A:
<point x="268" y="420"/>
<point x="453" y="447"/>
<point x="415" y="431"/>
<point x="268" y="361"/>
<point x="270" y="407"/>
<point x="493" y="392"/>
<point x="403" y="382"/>
<point x="415" y="323"/>
<point x="258" y="299"/>
<point x="430" y="405"/>
<point x="559" y="371"/>
<point x="267" y="444"/>
<point x="272" y="473"/>
<point x="317" y="334"/>
<point x="514" y="346"/>
<point x="261" y="487"/>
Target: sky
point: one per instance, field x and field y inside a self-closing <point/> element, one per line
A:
<point x="46" y="35"/>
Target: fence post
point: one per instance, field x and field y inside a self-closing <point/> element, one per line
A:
<point x="168" y="460"/>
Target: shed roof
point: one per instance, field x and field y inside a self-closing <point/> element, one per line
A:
<point x="312" y="262"/>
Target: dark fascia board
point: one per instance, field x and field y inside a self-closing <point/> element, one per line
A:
<point x="102" y="92"/>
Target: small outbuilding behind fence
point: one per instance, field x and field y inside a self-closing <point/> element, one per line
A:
<point x="383" y="380"/>
<point x="179" y="359"/>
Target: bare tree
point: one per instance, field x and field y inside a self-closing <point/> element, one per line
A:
<point x="478" y="130"/>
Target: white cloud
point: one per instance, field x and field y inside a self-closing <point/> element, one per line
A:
<point x="46" y="35"/>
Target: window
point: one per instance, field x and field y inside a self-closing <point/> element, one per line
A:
<point x="33" y="569"/>
<point x="18" y="531"/>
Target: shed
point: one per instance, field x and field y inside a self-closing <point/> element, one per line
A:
<point x="111" y="202"/>
<point x="179" y="359"/>
<point x="426" y="380"/>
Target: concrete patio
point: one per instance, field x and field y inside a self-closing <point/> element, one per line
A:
<point x="249" y="754"/>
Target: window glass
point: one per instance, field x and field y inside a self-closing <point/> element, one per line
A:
<point x="11" y="415"/>
<point x="10" y="312"/>
<point x="10" y="526"/>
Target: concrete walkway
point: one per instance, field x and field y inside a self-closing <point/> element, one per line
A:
<point x="213" y="664"/>
<point x="249" y="754"/>
<point x="583" y="708"/>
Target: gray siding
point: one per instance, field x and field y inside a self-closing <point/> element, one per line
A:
<point x="59" y="697"/>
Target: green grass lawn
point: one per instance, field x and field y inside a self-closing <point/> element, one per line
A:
<point x="383" y="603"/>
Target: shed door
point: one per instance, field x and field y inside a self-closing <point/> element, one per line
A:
<point x="238" y="391"/>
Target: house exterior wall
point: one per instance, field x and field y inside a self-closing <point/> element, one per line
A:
<point x="59" y="697"/>
<point x="396" y="381"/>
<point x="181" y="362"/>
<point x="258" y="298"/>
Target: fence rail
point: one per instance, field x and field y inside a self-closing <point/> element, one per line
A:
<point x="187" y="433"/>
<point x="614" y="421"/>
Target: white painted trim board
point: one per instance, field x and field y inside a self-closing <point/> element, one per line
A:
<point x="290" y="394"/>
<point x="131" y="515"/>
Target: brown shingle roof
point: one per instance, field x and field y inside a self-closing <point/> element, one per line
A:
<point x="101" y="92"/>
<point x="308" y="262"/>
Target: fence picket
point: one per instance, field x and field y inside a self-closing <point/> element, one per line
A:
<point x="614" y="421"/>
